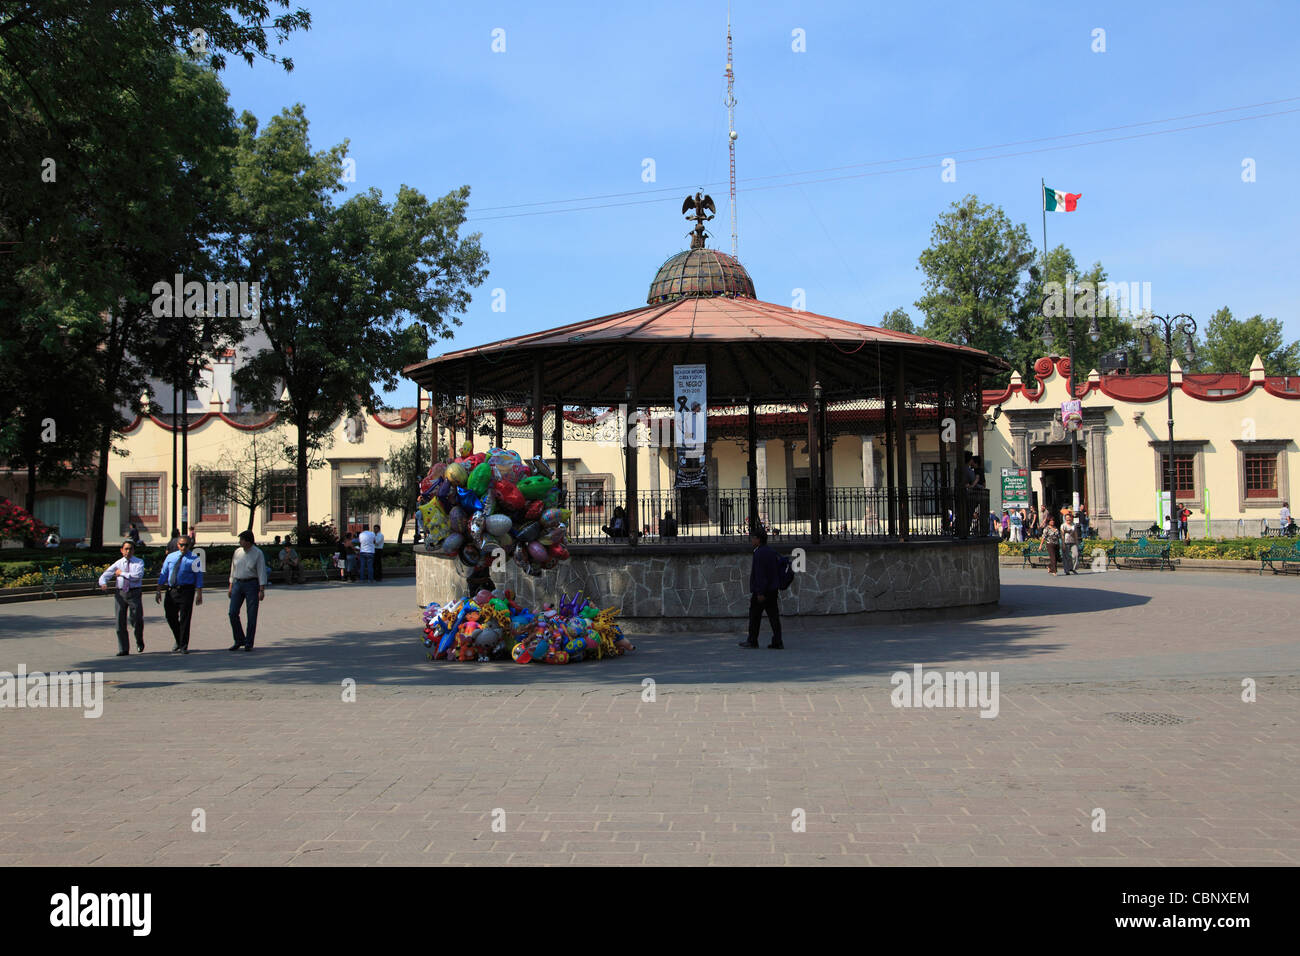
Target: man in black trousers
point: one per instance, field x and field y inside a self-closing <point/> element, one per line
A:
<point x="764" y="585"/>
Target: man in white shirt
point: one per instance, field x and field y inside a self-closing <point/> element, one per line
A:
<point x="247" y="583"/>
<point x="379" y="554"/>
<point x="129" y="574"/>
<point x="366" y="545"/>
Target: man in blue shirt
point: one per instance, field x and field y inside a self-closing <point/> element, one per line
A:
<point x="182" y="579"/>
<point x="764" y="586"/>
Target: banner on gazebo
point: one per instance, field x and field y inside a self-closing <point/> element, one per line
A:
<point x="690" y="405"/>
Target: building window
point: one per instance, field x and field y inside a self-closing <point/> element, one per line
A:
<point x="589" y="495"/>
<point x="1184" y="474"/>
<point x="142" y="500"/>
<point x="284" y="499"/>
<point x="214" y="498"/>
<point x="1261" y="476"/>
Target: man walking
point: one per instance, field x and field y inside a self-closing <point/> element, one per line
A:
<point x="764" y="585"/>
<point x="129" y="575"/>
<point x="182" y="577"/>
<point x="247" y="583"/>
<point x="379" y="554"/>
<point x="366" y="547"/>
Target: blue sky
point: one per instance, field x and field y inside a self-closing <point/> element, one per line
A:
<point x="585" y="92"/>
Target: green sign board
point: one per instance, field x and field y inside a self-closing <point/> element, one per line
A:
<point x="1015" y="487"/>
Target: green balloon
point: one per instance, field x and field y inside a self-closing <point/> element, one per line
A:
<point x="479" y="478"/>
<point x="535" y="487"/>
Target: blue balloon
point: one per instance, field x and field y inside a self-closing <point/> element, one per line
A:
<point x="468" y="500"/>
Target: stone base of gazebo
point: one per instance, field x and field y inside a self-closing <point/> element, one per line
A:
<point x="668" y="585"/>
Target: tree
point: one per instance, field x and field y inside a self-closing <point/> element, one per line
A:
<point x="111" y="135"/>
<point x="976" y="277"/>
<point x="898" y="321"/>
<point x="350" y="293"/>
<point x="398" y="489"/>
<point x="1231" y="345"/>
<point x="249" y="472"/>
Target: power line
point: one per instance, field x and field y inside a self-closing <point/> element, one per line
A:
<point x="675" y="190"/>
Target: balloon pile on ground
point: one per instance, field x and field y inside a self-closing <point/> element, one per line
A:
<point x="494" y="625"/>
<point x="477" y="503"/>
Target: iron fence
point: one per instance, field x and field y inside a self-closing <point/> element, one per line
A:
<point x="723" y="515"/>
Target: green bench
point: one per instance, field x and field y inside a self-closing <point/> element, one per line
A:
<point x="1036" y="552"/>
<point x="1142" y="553"/>
<point x="64" y="574"/>
<point x="1286" y="555"/>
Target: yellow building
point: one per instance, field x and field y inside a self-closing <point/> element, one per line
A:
<point x="1234" y="446"/>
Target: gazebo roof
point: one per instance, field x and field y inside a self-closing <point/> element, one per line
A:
<point x="751" y="347"/>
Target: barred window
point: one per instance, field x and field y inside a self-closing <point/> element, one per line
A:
<point x="142" y="500"/>
<point x="284" y="499"/>
<point x="214" y="498"/>
<point x="1261" y="476"/>
<point x="1184" y="474"/>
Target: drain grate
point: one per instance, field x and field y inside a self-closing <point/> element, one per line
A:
<point x="1148" y="719"/>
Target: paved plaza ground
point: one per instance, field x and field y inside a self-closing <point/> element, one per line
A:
<point x="470" y="763"/>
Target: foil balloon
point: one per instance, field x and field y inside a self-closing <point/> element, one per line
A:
<point x="540" y="467"/>
<point x="466" y="448"/>
<point x="470" y="554"/>
<point x="534" y="488"/>
<point x="509" y="495"/>
<point x="533" y="511"/>
<point x="550" y="517"/>
<point x="499" y="524"/>
<point x="435" y="522"/>
<point x="529" y="532"/>
<point x="521" y="558"/>
<point x="457" y="475"/>
<point x="458" y="519"/>
<point x="536" y="552"/>
<point x="468" y="500"/>
<point x="479" y="478"/>
<point x="453" y="543"/>
<point x="477" y="528"/>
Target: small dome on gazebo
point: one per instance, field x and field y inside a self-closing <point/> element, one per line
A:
<point x="700" y="272"/>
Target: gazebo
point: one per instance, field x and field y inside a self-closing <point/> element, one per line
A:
<point x="706" y="364"/>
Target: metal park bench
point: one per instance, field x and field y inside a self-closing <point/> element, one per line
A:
<point x="1141" y="554"/>
<point x="1286" y="555"/>
<point x="1267" y="532"/>
<point x="1036" y="552"/>
<point x="1134" y="534"/>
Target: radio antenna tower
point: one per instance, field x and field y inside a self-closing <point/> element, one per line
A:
<point x="731" y="135"/>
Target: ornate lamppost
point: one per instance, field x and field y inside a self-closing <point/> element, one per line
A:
<point x="1166" y="327"/>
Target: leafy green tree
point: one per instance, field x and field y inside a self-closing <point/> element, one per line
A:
<point x="248" y="471"/>
<point x="399" y="486"/>
<point x="898" y="321"/>
<point x="976" y="277"/>
<point x="351" y="293"/>
<point x="1231" y="345"/>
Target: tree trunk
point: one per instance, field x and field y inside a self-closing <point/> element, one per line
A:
<point x="303" y="536"/>
<point x="101" y="487"/>
<point x="30" y="496"/>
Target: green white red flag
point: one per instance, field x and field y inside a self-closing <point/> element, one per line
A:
<point x="1056" y="201"/>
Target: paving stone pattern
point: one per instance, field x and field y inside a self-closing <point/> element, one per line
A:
<point x="583" y="768"/>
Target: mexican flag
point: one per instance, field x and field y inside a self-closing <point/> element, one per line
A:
<point x="1056" y="201"/>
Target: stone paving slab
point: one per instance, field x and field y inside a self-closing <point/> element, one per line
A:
<point x="462" y="764"/>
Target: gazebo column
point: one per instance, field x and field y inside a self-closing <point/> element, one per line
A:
<point x="630" y="442"/>
<point x="814" y="451"/>
<point x="559" y="444"/>
<point x="500" y="414"/>
<point x="890" y="494"/>
<point x="752" y="467"/>
<point x="469" y="408"/>
<point x="941" y="406"/>
<point x="979" y="424"/>
<point x="538" y="408"/>
<point x="961" y="509"/>
<point x="901" y="440"/>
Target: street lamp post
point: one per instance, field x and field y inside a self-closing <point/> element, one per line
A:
<point x="1166" y="327"/>
<point x="1094" y="334"/>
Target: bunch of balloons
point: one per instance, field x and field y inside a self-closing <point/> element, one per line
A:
<point x="478" y="503"/>
<point x="494" y="625"/>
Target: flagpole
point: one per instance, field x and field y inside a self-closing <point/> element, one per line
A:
<point x="1042" y="199"/>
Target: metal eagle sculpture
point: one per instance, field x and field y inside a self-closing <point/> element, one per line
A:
<point x="700" y="208"/>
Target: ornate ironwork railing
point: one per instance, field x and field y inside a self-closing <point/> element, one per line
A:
<point x="723" y="515"/>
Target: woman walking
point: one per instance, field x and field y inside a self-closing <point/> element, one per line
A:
<point x="1051" y="541"/>
<point x="1069" y="542"/>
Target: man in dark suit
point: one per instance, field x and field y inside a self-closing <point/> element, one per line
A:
<point x="764" y="586"/>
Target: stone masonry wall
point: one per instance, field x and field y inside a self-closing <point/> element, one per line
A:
<point x="648" y="582"/>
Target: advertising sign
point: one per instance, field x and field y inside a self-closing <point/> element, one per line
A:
<point x="690" y="405"/>
<point x="1015" y="487"/>
<point x="1072" y="414"/>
